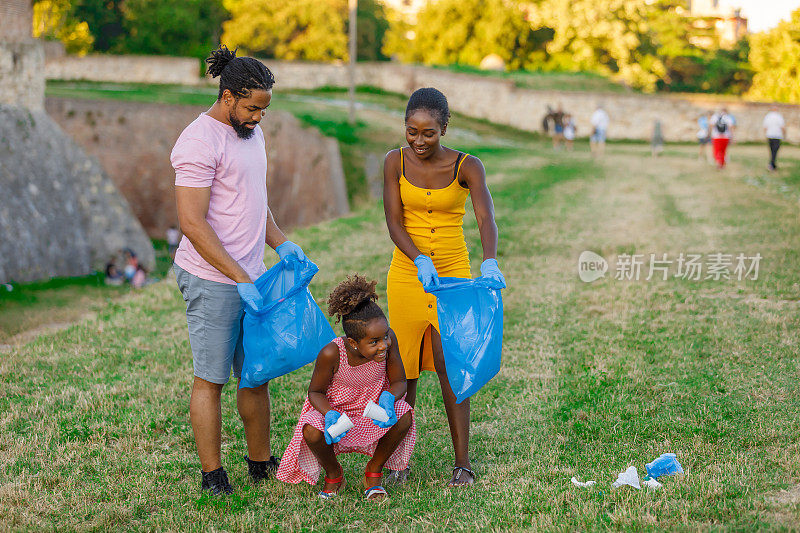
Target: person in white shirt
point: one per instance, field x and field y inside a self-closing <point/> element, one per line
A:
<point x="775" y="131"/>
<point x="600" y="123"/>
<point x="722" y="126"/>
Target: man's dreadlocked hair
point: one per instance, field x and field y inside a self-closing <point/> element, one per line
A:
<point x="431" y="100"/>
<point x="238" y="74"/>
<point x="353" y="302"/>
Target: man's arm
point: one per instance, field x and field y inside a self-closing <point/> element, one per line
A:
<point x="275" y="237"/>
<point x="192" y="205"/>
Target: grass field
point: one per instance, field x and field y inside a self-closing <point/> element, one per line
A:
<point x="596" y="377"/>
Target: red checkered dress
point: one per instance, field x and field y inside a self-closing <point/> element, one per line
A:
<point x="350" y="390"/>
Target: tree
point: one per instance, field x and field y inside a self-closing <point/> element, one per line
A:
<point x="311" y="30"/>
<point x="371" y="26"/>
<point x="171" y="27"/>
<point x="775" y="58"/>
<point x="466" y="31"/>
<point x="54" y="20"/>
<point x="611" y="37"/>
<point x="104" y="18"/>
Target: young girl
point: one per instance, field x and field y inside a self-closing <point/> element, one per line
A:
<point x="351" y="371"/>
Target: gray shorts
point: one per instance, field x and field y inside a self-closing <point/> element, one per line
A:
<point x="214" y="313"/>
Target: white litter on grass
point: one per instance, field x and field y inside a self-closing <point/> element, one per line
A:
<point x="628" y="477"/>
<point x="584" y="484"/>
<point x="651" y="483"/>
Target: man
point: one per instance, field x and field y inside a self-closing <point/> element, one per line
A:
<point x="722" y="127"/>
<point x="600" y="122"/>
<point x="775" y="131"/>
<point x="220" y="187"/>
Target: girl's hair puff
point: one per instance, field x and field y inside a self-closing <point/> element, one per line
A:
<point x="353" y="303"/>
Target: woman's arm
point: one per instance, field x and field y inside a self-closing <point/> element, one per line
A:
<point x="474" y="175"/>
<point x="395" y="372"/>
<point x="324" y="369"/>
<point x="393" y="206"/>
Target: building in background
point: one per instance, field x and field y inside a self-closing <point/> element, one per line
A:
<point x="727" y="22"/>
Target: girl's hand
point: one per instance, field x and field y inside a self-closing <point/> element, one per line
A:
<point x="386" y="401"/>
<point x="491" y="271"/>
<point x="331" y="417"/>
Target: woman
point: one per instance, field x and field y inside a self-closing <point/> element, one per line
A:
<point x="425" y="190"/>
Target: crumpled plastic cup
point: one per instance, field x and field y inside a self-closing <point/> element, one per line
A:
<point x="665" y="465"/>
<point x="628" y="477"/>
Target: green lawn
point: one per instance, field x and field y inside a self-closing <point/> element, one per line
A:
<point x="596" y="376"/>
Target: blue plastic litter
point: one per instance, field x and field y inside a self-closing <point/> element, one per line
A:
<point x="665" y="465"/>
<point x="289" y="330"/>
<point x="471" y="326"/>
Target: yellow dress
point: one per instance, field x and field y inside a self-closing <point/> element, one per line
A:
<point x="433" y="219"/>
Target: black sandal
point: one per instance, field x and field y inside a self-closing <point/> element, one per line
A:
<point x="457" y="471"/>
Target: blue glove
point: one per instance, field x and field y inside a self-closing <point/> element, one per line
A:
<point x="491" y="271"/>
<point x="290" y="248"/>
<point x="331" y="417"/>
<point x="250" y="295"/>
<point x="386" y="400"/>
<point x="426" y="272"/>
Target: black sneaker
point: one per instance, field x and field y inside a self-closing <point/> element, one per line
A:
<point x="261" y="470"/>
<point x="216" y="482"/>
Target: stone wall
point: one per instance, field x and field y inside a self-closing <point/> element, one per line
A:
<point x="60" y="214"/>
<point x="124" y="69"/>
<point x="21" y="57"/>
<point x="21" y="80"/>
<point x="632" y="115"/>
<point x="133" y="142"/>
<point x="16" y="20"/>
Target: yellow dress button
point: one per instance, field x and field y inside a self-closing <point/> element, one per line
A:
<point x="429" y="211"/>
<point x="430" y="306"/>
<point x="432" y="254"/>
<point x="429" y="193"/>
<point x="433" y="230"/>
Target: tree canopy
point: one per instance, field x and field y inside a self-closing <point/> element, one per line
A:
<point x="775" y="58"/>
<point x="311" y="30"/>
<point x="466" y="31"/>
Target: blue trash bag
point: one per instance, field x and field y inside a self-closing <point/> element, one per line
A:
<point x="289" y="330"/>
<point x="471" y="326"/>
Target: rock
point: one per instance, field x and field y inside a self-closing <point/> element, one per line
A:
<point x="58" y="216"/>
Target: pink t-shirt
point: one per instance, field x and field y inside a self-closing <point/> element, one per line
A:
<point x="210" y="154"/>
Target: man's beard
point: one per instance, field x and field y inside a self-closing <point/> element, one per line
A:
<point x="242" y="131"/>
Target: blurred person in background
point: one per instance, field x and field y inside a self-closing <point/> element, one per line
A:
<point x="600" y="122"/>
<point x="775" y="131"/>
<point x="722" y="128"/>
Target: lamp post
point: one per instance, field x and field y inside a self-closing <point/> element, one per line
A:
<point x="353" y="7"/>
